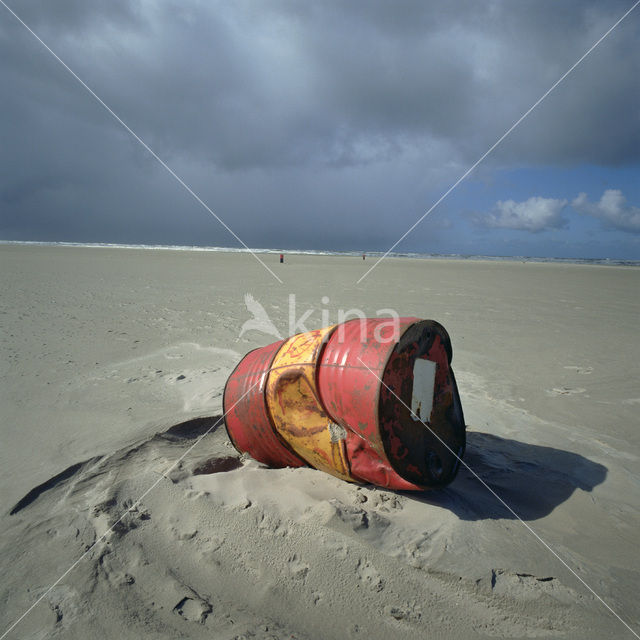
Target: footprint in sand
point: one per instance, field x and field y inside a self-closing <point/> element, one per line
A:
<point x="369" y="576"/>
<point x="584" y="371"/>
<point x="386" y="501"/>
<point x="118" y="519"/>
<point x="407" y="612"/>
<point x="193" y="608"/>
<point x="525" y="586"/>
<point x="297" y="568"/>
<point x="565" y="391"/>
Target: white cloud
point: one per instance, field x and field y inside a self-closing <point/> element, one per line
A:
<point x="535" y="214"/>
<point x="612" y="209"/>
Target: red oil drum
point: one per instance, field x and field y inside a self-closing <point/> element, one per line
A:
<point x="370" y="400"/>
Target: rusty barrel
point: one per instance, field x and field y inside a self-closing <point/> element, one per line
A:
<point x="369" y="400"/>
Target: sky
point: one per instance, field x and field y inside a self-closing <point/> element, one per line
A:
<point x="323" y="125"/>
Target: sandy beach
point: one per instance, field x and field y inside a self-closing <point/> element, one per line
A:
<point x="113" y="364"/>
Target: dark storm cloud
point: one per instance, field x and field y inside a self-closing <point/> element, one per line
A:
<point x="292" y="118"/>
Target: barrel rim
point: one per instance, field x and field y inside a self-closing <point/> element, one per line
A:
<point x="377" y="401"/>
<point x="449" y="351"/>
<point x="316" y="378"/>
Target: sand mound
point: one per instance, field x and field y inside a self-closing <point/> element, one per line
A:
<point x="225" y="546"/>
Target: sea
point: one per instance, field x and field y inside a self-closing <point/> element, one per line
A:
<point x="327" y="252"/>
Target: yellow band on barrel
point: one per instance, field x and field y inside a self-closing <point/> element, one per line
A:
<point x="294" y="404"/>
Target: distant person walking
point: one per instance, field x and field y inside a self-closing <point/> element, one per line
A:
<point x="363" y="256"/>
<point x="281" y="258"/>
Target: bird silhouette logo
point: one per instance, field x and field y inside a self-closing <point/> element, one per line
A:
<point x="260" y="321"/>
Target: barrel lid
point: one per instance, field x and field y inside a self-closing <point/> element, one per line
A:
<point x="420" y="415"/>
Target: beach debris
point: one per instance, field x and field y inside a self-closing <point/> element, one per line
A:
<point x="370" y="400"/>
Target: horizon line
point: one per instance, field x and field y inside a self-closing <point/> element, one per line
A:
<point x="328" y="252"/>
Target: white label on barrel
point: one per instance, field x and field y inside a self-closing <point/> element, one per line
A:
<point x="424" y="379"/>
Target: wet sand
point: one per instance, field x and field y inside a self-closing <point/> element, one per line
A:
<point x="113" y="363"/>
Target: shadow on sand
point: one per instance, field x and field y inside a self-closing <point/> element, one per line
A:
<point x="533" y="480"/>
<point x="183" y="432"/>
